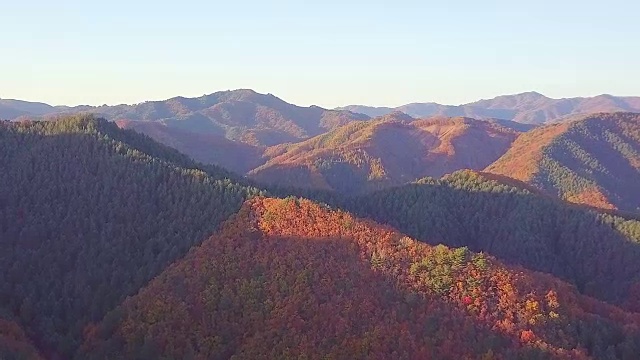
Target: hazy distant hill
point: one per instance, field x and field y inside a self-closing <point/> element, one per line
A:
<point x="594" y="160"/>
<point x="387" y="151"/>
<point x="242" y="115"/>
<point x="11" y="109"/>
<point x="350" y="156"/>
<point x="265" y="119"/>
<point x="529" y="107"/>
<point x="206" y="148"/>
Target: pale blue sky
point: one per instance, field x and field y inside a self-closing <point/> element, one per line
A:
<point x="328" y="53"/>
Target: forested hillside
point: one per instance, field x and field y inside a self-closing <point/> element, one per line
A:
<point x="594" y="160"/>
<point x="89" y="214"/>
<point x="597" y="252"/>
<point x="95" y="223"/>
<point x="291" y="279"/>
<point x="14" y="343"/>
<point x="388" y="151"/>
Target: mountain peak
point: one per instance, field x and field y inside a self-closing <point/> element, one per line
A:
<point x="532" y="94"/>
<point x="397" y="115"/>
<point x="520" y="97"/>
<point x="237" y="95"/>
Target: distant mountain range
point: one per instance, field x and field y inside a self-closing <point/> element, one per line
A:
<point x="528" y="108"/>
<point x="12" y="109"/>
<point x="266" y="120"/>
<point x="242" y="115"/>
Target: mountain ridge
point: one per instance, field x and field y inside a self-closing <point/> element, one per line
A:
<point x="391" y="150"/>
<point x="528" y="107"/>
<point x="242" y="115"/>
<point x="325" y="284"/>
<point x="592" y="160"/>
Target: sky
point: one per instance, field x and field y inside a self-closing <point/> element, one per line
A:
<point x="327" y="53"/>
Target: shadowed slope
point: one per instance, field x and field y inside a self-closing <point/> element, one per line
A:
<point x="88" y="214"/>
<point x="205" y="148"/>
<point x="599" y="253"/>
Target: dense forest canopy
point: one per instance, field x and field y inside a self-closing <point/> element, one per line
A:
<point x="14" y="342"/>
<point x="100" y="233"/>
<point x="597" y="252"/>
<point x="89" y="214"/>
<point x="291" y="279"/>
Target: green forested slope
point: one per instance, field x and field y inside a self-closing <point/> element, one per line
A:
<point x="89" y="214"/>
<point x="597" y="252"/>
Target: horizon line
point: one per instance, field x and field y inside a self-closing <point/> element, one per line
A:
<point x="532" y="92"/>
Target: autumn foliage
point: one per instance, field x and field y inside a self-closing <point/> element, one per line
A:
<point x="593" y="160"/>
<point x="292" y="279"/>
<point x="391" y="150"/>
<point x="14" y="343"/>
